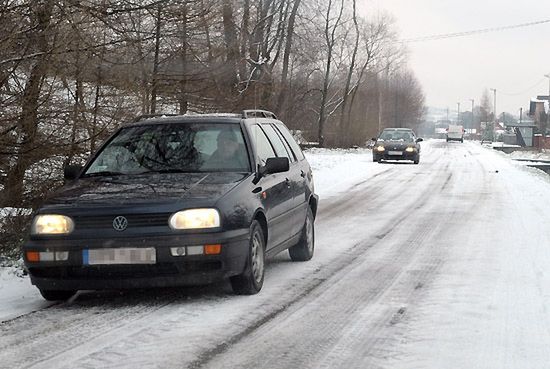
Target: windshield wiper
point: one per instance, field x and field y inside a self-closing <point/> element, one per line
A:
<point x="105" y="173"/>
<point x="170" y="170"/>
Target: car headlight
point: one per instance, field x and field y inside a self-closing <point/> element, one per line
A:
<point x="195" y="219"/>
<point x="380" y="148"/>
<point x="410" y="149"/>
<point x="52" y="224"/>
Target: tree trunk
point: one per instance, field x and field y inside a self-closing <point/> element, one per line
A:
<point x="286" y="57"/>
<point x="154" y="88"/>
<point x="28" y="120"/>
<point x="231" y="44"/>
<point x="330" y="39"/>
<point x="343" y="126"/>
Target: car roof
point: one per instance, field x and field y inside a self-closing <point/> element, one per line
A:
<point x="219" y="118"/>
<point x="397" y="129"/>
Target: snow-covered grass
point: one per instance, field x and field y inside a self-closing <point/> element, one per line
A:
<point x="17" y="295"/>
<point x="335" y="170"/>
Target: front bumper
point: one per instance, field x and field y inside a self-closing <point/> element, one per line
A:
<point x="404" y="156"/>
<point x="168" y="270"/>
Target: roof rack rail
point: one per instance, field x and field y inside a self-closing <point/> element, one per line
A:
<point x="256" y="113"/>
<point x="149" y="116"/>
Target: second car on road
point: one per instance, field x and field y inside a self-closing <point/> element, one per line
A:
<point x="396" y="144"/>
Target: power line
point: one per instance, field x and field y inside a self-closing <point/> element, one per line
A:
<point x="525" y="91"/>
<point x="474" y="32"/>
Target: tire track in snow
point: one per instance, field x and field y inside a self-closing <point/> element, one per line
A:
<point x="327" y="324"/>
<point x="88" y="333"/>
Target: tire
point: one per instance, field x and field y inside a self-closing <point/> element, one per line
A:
<point x="462" y="141"/>
<point x="303" y="250"/>
<point x="417" y="160"/>
<point x="250" y="282"/>
<point x="57" y="295"/>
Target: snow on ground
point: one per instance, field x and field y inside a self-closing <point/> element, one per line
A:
<point x="17" y="295"/>
<point x="489" y="306"/>
<point x="459" y="279"/>
<point x="531" y="155"/>
<point x="336" y="170"/>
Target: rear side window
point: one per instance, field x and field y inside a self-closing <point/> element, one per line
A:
<point x="264" y="150"/>
<point x="280" y="148"/>
<point x="291" y="141"/>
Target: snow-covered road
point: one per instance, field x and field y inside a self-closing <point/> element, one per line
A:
<point x="438" y="265"/>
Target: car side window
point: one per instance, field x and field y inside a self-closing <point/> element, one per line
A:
<point x="264" y="150"/>
<point x="291" y="141"/>
<point x="293" y="157"/>
<point x="278" y="145"/>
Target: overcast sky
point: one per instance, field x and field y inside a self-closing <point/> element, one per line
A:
<point x="457" y="70"/>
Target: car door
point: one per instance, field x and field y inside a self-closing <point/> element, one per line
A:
<point x="276" y="192"/>
<point x="282" y="149"/>
<point x="302" y="175"/>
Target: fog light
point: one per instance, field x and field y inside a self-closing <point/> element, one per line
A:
<point x="195" y="250"/>
<point x="213" y="249"/>
<point x="61" y="255"/>
<point x="177" y="251"/>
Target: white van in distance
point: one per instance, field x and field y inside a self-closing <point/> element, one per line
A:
<point x="455" y="133"/>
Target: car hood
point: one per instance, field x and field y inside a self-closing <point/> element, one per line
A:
<point x="140" y="189"/>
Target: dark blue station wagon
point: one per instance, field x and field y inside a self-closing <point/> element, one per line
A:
<point x="176" y="200"/>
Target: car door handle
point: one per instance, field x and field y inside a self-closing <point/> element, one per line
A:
<point x="287" y="182"/>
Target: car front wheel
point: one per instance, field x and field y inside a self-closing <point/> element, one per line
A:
<point x="303" y="250"/>
<point x="250" y="282"/>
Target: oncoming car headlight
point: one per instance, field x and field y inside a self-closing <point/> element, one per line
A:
<point x="410" y="149"/>
<point x="195" y="219"/>
<point x="380" y="148"/>
<point x="52" y="224"/>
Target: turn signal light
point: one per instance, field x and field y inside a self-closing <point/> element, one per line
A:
<point x="213" y="249"/>
<point x="33" y="256"/>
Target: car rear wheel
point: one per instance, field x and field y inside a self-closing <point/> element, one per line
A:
<point x="57" y="295"/>
<point x="251" y="280"/>
<point x="303" y="250"/>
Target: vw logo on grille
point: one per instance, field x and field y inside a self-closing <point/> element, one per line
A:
<point x="120" y="223"/>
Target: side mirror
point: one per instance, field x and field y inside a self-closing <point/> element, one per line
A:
<point x="419" y="140"/>
<point x="272" y="165"/>
<point x="374" y="139"/>
<point x="71" y="172"/>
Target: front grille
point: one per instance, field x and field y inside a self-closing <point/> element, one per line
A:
<point x="134" y="221"/>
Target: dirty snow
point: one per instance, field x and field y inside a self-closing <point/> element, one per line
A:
<point x="457" y="279"/>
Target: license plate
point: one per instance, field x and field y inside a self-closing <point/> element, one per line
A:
<point x="395" y="152"/>
<point x="119" y="256"/>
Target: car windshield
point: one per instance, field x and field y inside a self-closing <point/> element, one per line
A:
<point x="173" y="148"/>
<point x="404" y="136"/>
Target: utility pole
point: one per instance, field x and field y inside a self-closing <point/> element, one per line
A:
<point x="473" y="120"/>
<point x="447" y="113"/>
<point x="520" y="115"/>
<point x="548" y="113"/>
<point x="458" y="113"/>
<point x="495" y="112"/>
